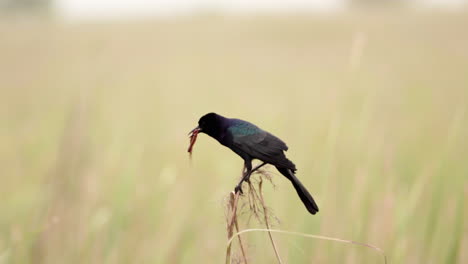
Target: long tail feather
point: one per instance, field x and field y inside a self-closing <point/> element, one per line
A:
<point x="305" y="196"/>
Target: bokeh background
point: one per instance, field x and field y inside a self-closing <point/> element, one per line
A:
<point x="97" y="98"/>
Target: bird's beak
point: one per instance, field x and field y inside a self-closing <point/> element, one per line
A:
<point x="193" y="137"/>
<point x="195" y="131"/>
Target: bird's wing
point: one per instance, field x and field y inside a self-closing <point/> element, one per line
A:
<point x="263" y="146"/>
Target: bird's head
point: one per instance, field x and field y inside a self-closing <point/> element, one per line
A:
<point x="210" y="124"/>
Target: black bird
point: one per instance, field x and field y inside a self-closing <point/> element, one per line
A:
<point x="250" y="142"/>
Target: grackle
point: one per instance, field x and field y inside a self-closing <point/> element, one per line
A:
<point x="250" y="142"/>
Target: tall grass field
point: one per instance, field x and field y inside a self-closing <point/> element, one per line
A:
<point x="94" y="121"/>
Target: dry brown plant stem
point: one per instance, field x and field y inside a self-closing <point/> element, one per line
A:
<point x="232" y="222"/>
<point x="254" y="197"/>
<point x="267" y="223"/>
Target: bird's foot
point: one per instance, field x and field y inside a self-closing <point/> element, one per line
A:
<point x="238" y="189"/>
<point x="247" y="179"/>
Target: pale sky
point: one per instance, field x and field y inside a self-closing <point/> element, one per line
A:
<point x="118" y="8"/>
<point x="102" y="9"/>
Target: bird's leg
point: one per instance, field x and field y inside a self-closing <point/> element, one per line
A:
<point x="246" y="173"/>
<point x="246" y="176"/>
<point x="253" y="170"/>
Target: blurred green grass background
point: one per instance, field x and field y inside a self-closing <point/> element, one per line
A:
<point x="95" y="119"/>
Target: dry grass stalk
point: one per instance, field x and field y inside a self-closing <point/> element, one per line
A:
<point x="266" y="222"/>
<point x="231" y="223"/>
<point x="257" y="208"/>
<point x="377" y="249"/>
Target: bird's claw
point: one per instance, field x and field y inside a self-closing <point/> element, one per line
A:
<point x="238" y="189"/>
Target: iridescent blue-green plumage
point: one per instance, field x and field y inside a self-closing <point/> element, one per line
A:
<point x="251" y="142"/>
<point x="242" y="128"/>
<point x="259" y="144"/>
